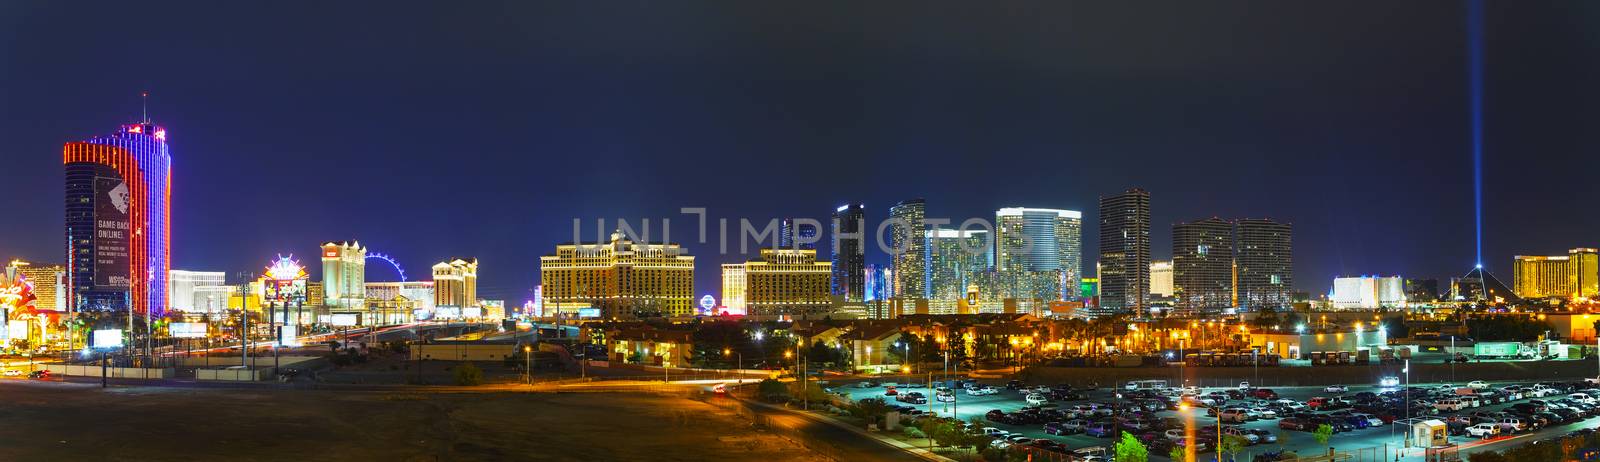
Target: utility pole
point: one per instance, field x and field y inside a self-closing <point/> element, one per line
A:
<point x="244" y="315"/>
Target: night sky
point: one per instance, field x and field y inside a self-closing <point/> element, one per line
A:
<point x="443" y="129"/>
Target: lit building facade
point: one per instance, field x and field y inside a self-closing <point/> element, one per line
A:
<point x="49" y="284"/>
<point x="455" y="283"/>
<point x="192" y="291"/>
<point x="1368" y="293"/>
<point x="734" y="286"/>
<point x="1573" y="275"/>
<point x="954" y="257"/>
<point x="118" y="215"/>
<point x="908" y="238"/>
<point x="1034" y="240"/>
<point x="344" y="275"/>
<point x="1202" y="266"/>
<point x="1161" y="278"/>
<point x="619" y="279"/>
<point x="877" y="282"/>
<point x="849" y="253"/>
<point x="1264" y="258"/>
<point x="396" y="302"/>
<point x="1124" y="252"/>
<point x="781" y="281"/>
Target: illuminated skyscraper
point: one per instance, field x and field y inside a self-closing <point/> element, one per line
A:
<point x="782" y="281"/>
<point x="909" y="239"/>
<point x="1202" y="266"/>
<point x="788" y="230"/>
<point x="1161" y="278"/>
<point x="1566" y="276"/>
<point x="620" y="279"/>
<point x="954" y="257"/>
<point x="1264" y="261"/>
<point x="849" y="253"/>
<point x="1124" y="251"/>
<point x="118" y="219"/>
<point x="1029" y="240"/>
<point x="455" y="283"/>
<point x="344" y="275"/>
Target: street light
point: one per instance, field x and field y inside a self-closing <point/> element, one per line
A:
<point x="741" y="363"/>
<point x="527" y="360"/>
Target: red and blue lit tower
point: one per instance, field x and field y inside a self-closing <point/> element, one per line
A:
<point x="118" y="217"/>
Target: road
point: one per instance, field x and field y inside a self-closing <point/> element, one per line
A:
<point x="831" y="440"/>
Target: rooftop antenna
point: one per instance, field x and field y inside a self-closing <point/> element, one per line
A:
<point x="146" y="105"/>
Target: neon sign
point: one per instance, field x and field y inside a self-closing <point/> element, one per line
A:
<point x="17" y="293"/>
<point x="286" y="269"/>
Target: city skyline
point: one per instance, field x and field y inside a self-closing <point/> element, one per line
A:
<point x="247" y="146"/>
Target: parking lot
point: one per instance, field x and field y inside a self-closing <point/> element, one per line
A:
<point x="1377" y="436"/>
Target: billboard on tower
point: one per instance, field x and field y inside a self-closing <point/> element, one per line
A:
<point x="113" y="203"/>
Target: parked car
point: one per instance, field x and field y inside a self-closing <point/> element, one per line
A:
<point x="1035" y="399"/>
<point x="1483" y="430"/>
<point x="1296" y="423"/>
<point x="1100" y="430"/>
<point x="1234" y="414"/>
<point x="39" y="375"/>
<point x="1478" y="385"/>
<point x="1060" y="428"/>
<point x="1336" y="389"/>
<point x="1388" y="381"/>
<point x="1263" y="435"/>
<point x="1263" y="393"/>
<point x="982" y="390"/>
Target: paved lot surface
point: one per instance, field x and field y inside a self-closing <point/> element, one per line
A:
<point x="70" y="421"/>
<point x="966" y="407"/>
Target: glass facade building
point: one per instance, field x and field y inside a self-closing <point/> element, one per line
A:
<point x="1124" y="251"/>
<point x="910" y="246"/>
<point x="955" y="257"/>
<point x="849" y="253"/>
<point x="1032" y="243"/>
<point x="1202" y="266"/>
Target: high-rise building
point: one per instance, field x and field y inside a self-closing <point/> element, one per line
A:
<point x="1124" y="251"/>
<point x="455" y="283"/>
<point x="1202" y="266"/>
<point x="954" y="256"/>
<point x="849" y="253"/>
<point x="909" y="241"/>
<point x="788" y="230"/>
<point x="118" y="216"/>
<point x="781" y="281"/>
<point x="1033" y="240"/>
<point x="1161" y="278"/>
<point x="734" y="286"/>
<point x="1264" y="257"/>
<point x="194" y="290"/>
<point x="49" y="284"/>
<point x="1422" y="290"/>
<point x="1565" y="276"/>
<point x="620" y="279"/>
<point x="344" y="275"/>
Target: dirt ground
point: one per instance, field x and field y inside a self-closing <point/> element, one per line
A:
<point x="55" y="421"/>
